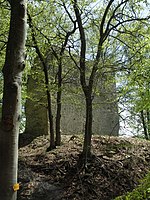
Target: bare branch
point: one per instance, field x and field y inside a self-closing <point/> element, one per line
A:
<point x="3" y="46"/>
<point x="68" y="12"/>
<point x="117" y="38"/>
<point x="113" y="15"/>
<point x="123" y="22"/>
<point x="76" y="64"/>
<point x="104" y="17"/>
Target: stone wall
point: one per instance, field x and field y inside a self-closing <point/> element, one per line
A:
<point x="105" y="108"/>
<point x="35" y="106"/>
<point x="105" y="111"/>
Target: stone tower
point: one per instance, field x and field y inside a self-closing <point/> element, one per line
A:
<point x="105" y="107"/>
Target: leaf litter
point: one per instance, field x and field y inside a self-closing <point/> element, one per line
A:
<point x="116" y="166"/>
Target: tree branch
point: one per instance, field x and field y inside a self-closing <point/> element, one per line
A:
<point x="104" y="18"/>
<point x="83" y="45"/>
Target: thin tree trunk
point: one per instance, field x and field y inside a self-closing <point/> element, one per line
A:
<point x="59" y="77"/>
<point x="59" y="87"/>
<point x="144" y="125"/>
<point x="9" y="127"/>
<point x="148" y="123"/>
<point x="58" y="112"/>
<point x="52" y="139"/>
<point x="50" y="115"/>
<point x="87" y="89"/>
<point x="88" y="128"/>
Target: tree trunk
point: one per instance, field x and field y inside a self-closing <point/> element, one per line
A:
<point x="58" y="111"/>
<point x="144" y="125"/>
<point x="52" y="139"/>
<point x="58" y="118"/>
<point x="87" y="88"/>
<point x="88" y="128"/>
<point x="9" y="127"/>
<point x="50" y="115"/>
<point x="148" y="123"/>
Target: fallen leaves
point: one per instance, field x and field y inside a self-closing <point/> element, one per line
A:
<point x="115" y="168"/>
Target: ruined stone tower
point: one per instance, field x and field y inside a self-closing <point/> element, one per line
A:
<point x="105" y="108"/>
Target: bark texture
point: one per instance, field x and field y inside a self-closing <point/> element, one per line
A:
<point x="9" y="127"/>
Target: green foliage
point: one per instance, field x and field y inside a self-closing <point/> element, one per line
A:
<point x="126" y="50"/>
<point x="142" y="192"/>
<point x="4" y="23"/>
<point x="134" y="77"/>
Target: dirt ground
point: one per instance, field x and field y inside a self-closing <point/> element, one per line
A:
<point x="116" y="166"/>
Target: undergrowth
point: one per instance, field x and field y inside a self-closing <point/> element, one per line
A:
<point x="142" y="192"/>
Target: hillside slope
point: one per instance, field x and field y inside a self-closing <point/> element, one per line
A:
<point x="116" y="166"/>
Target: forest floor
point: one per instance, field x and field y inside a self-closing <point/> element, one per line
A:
<point x="116" y="167"/>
